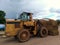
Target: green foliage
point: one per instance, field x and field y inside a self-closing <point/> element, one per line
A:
<point x="58" y="21"/>
<point x="2" y="17"/>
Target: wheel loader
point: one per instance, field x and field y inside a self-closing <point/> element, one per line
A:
<point x="25" y="26"/>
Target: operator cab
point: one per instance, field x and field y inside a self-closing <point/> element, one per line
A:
<point x="25" y="16"/>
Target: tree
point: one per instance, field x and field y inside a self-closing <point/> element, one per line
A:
<point x="2" y="17"/>
<point x="58" y="21"/>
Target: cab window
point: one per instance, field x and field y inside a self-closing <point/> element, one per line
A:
<point x="25" y="17"/>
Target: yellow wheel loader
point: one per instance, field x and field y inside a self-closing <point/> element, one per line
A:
<point x="24" y="27"/>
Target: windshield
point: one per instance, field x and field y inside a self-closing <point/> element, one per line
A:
<point x="24" y="17"/>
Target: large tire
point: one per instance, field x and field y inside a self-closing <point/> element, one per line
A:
<point x="23" y="35"/>
<point x="43" y="32"/>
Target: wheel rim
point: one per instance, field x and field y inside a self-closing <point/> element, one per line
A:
<point x="24" y="36"/>
<point x="44" y="32"/>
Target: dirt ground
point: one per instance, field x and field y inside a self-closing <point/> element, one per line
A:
<point x="49" y="40"/>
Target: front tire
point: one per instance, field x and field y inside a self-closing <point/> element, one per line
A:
<point x="23" y="35"/>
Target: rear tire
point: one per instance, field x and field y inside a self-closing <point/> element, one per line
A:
<point x="43" y="32"/>
<point x="23" y="35"/>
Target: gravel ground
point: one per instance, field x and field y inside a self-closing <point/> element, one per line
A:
<point x="49" y="40"/>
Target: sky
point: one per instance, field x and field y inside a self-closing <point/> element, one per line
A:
<point x="39" y="8"/>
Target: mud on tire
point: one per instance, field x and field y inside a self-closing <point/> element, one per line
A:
<point x="23" y="35"/>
